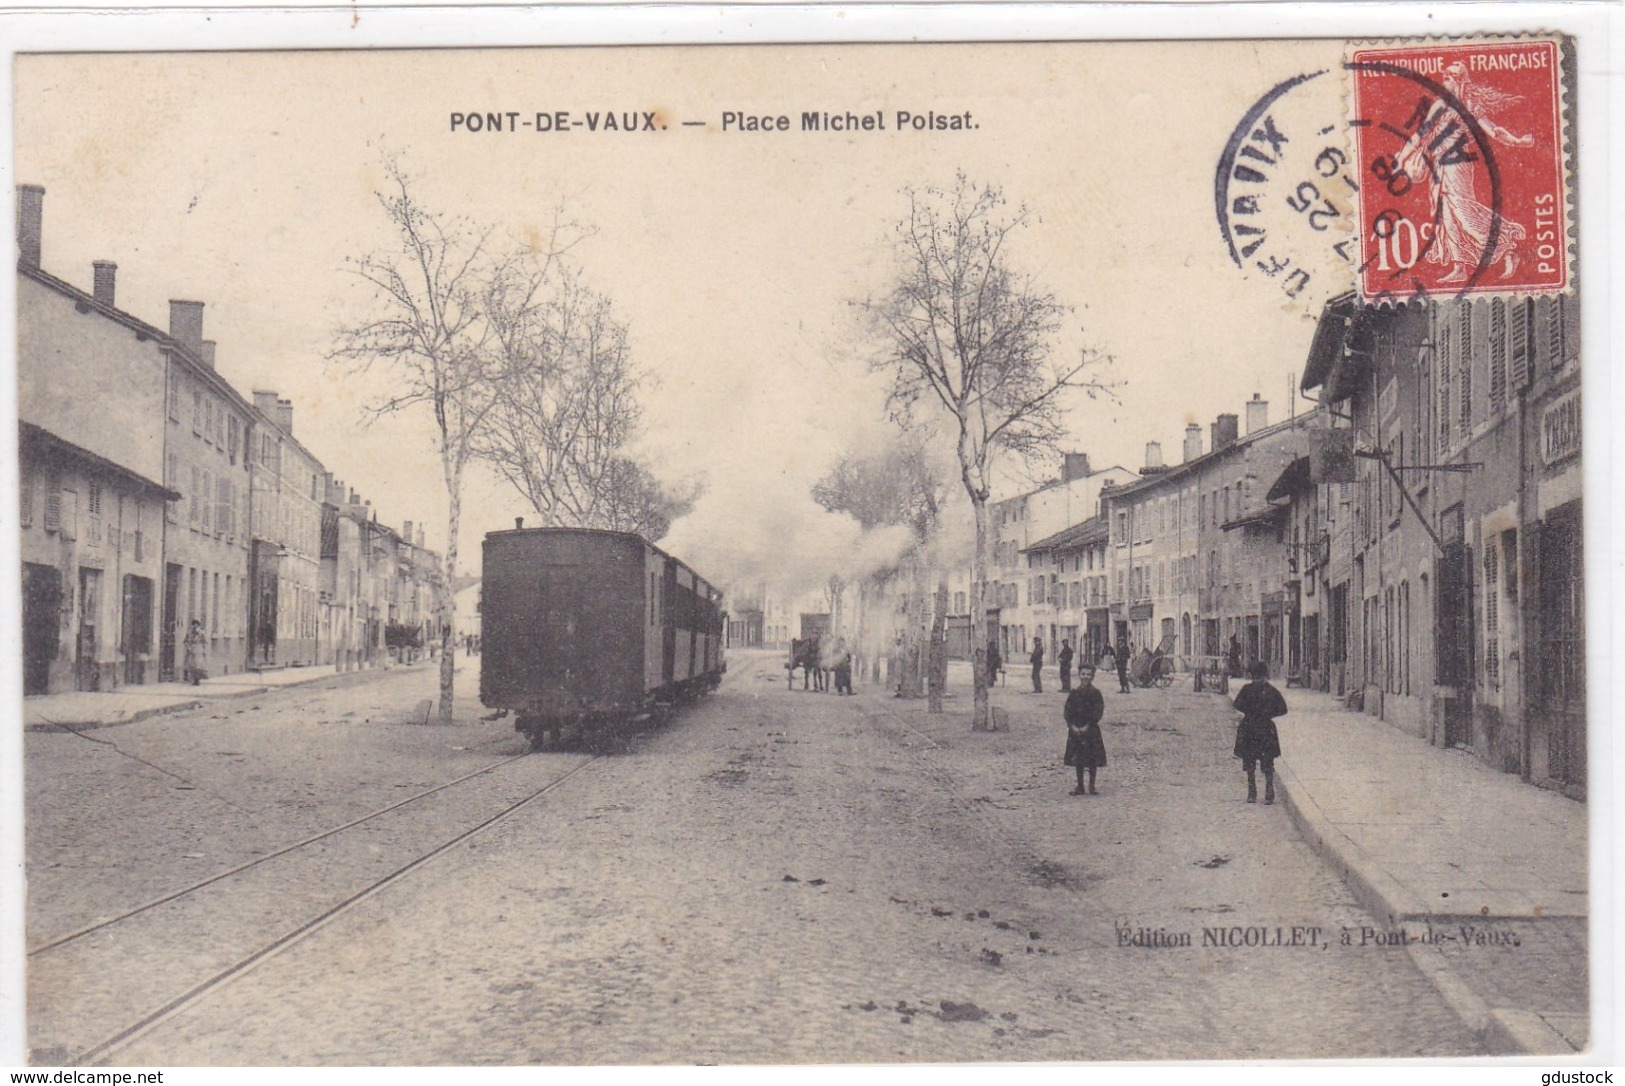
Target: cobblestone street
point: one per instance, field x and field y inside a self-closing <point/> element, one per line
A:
<point x="773" y="877"/>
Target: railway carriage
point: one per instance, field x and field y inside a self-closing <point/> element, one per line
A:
<point x="581" y="627"/>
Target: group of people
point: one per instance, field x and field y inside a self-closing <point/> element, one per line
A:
<point x="1112" y="658"/>
<point x="1257" y="744"/>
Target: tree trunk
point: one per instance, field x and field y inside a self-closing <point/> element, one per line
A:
<point x="922" y="631"/>
<point x="447" y="611"/>
<point x="907" y="651"/>
<point x="939" y="645"/>
<point x="981" y="632"/>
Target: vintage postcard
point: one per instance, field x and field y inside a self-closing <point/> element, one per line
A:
<point x="854" y="553"/>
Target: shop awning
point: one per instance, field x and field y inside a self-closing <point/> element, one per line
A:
<point x="1327" y="347"/>
<point x="1294" y="480"/>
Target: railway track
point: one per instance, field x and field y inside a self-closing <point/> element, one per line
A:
<point x="243" y="963"/>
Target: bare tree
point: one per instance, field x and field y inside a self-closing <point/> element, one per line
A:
<point x="967" y="341"/>
<point x="430" y="328"/>
<point x="567" y="408"/>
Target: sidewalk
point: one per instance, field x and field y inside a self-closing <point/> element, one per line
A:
<point x="1485" y="876"/>
<point x="86" y="710"/>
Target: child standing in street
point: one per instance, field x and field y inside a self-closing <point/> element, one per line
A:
<point x="1257" y="741"/>
<point x="1085" y="749"/>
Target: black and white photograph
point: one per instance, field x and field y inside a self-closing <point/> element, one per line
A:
<point x="817" y="552"/>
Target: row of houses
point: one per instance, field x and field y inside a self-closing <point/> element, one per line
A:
<point x="1412" y="544"/>
<point x="153" y="494"/>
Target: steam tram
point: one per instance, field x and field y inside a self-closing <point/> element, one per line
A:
<point x="581" y="628"/>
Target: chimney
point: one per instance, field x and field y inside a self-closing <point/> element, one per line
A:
<point x="186" y="325"/>
<point x="30" y="222"/>
<point x="208" y="353"/>
<point x="1075" y="466"/>
<point x="284" y="416"/>
<point x="406" y="530"/>
<point x="422" y="539"/>
<point x="1193" y="442"/>
<point x="355" y="499"/>
<point x="1224" y="432"/>
<point x="1153" y="456"/>
<point x="104" y="273"/>
<point x="1258" y="413"/>
<point x="265" y="403"/>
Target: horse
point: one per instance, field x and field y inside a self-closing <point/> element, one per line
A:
<point x="804" y="654"/>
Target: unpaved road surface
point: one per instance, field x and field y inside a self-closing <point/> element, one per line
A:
<point x="770" y="877"/>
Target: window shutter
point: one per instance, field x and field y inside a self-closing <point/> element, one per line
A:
<point x="1465" y="393"/>
<point x="222" y="506"/>
<point x="1498" y="356"/>
<point x="193" y="497"/>
<point x="1446" y="366"/>
<point x="1523" y="320"/>
<point x="53" y="511"/>
<point x="25" y="494"/>
<point x="1554" y="332"/>
<point x="206" y="502"/>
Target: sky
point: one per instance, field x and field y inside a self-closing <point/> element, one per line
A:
<point x="735" y="258"/>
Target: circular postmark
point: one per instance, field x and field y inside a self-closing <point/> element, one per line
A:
<point x="1284" y="191"/>
<point x="1407" y="199"/>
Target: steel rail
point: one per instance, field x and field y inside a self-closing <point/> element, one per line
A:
<point x="98" y="925"/>
<point x="291" y="938"/>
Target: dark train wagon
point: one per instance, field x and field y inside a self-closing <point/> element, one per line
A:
<point x="581" y="627"/>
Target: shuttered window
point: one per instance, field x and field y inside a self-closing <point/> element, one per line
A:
<point x="1554" y="332"/>
<point x="1492" y="614"/>
<point x="1464" y="394"/>
<point x="1523" y="342"/>
<point x="1498" y="356"/>
<point x="1446" y="367"/>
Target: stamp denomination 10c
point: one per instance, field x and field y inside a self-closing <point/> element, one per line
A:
<point x="1462" y="180"/>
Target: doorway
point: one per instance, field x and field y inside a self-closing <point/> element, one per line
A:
<point x="42" y="625"/>
<point x="1454" y="630"/>
<point x="135" y="636"/>
<point x="1561" y="676"/>
<point x="89" y="675"/>
<point x="166" y="634"/>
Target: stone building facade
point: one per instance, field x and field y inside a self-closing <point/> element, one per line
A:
<point x="1454" y="578"/>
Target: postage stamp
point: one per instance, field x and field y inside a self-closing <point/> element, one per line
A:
<point x="1463" y="187"/>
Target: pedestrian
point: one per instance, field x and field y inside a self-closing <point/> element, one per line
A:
<point x="1085" y="748"/>
<point x="1235" y="657"/>
<point x="1257" y="741"/>
<point x="995" y="663"/>
<point x="843" y="668"/>
<point x="196" y="644"/>
<point x="1037" y="659"/>
<point x="1122" y="657"/>
<point x="1064" y="657"/>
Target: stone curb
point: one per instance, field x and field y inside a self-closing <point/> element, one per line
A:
<point x="97" y="725"/>
<point x="158" y="710"/>
<point x="1498" y="1032"/>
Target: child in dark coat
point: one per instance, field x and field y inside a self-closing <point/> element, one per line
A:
<point x="1257" y="741"/>
<point x="1085" y="749"/>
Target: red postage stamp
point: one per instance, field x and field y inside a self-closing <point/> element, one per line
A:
<point x="1462" y="186"/>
